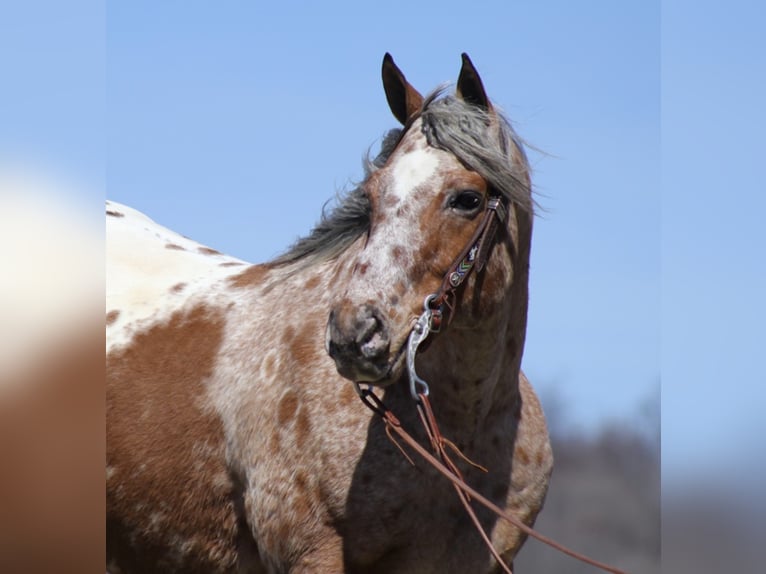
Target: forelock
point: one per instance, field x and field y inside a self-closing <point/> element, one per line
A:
<point x="484" y="141"/>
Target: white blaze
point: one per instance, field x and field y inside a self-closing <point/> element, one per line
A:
<point x="413" y="170"/>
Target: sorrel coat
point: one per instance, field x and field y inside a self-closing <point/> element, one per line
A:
<point x="234" y="444"/>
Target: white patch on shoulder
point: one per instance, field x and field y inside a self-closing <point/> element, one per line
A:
<point x="144" y="262"/>
<point x="413" y="170"/>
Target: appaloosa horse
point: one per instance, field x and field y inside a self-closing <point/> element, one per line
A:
<point x="236" y="441"/>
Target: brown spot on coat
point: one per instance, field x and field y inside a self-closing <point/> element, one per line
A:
<point x="174" y="246"/>
<point x="177" y="288"/>
<point x="230" y="264"/>
<point x="286" y="408"/>
<point x="208" y="251"/>
<point x="521" y="454"/>
<point x="347" y="395"/>
<point x="288" y="336"/>
<point x="408" y="146"/>
<point x="282" y="533"/>
<point x="397" y="254"/>
<point x="312" y="283"/>
<point x="112" y="316"/>
<point x="114" y="213"/>
<point x="301" y="482"/>
<point x="302" y="427"/>
<point x="250" y="277"/>
<point x="301" y="505"/>
<point x="389" y="200"/>
<point x="159" y="416"/>
<point x="274" y="444"/>
<point x="303" y="345"/>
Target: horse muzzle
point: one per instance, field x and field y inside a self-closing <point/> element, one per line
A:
<point x="358" y="340"/>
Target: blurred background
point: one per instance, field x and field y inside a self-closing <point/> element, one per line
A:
<point x="233" y="123"/>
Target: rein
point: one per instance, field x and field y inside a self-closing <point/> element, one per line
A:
<point x="474" y="256"/>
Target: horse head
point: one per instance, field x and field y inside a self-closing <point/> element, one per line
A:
<point x="428" y="196"/>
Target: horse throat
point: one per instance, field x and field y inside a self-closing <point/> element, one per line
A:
<point x="473" y="375"/>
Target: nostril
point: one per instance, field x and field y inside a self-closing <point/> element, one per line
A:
<point x="375" y="346"/>
<point x="366" y="329"/>
<point x="372" y="338"/>
<point x="332" y="348"/>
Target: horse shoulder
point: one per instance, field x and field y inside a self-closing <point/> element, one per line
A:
<point x="171" y="498"/>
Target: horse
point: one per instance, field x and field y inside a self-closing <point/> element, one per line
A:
<point x="236" y="440"/>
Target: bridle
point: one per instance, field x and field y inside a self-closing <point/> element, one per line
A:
<point x="473" y="258"/>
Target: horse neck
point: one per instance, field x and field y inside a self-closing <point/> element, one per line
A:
<point x="473" y="368"/>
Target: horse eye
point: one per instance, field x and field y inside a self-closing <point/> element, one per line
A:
<point x="465" y="201"/>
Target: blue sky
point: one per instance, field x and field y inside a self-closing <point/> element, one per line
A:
<point x="233" y="122"/>
<point x="713" y="237"/>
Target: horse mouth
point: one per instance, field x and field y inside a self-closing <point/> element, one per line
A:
<point x="388" y="373"/>
<point x="397" y="363"/>
<point x="378" y="373"/>
<point x="360" y="343"/>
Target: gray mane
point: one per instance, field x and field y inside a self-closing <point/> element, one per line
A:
<point x="482" y="142"/>
<point x="349" y="219"/>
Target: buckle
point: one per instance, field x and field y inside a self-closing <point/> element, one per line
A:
<point x="495" y="203"/>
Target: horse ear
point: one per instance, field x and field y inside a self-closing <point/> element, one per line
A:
<point x="469" y="86"/>
<point x="403" y="99"/>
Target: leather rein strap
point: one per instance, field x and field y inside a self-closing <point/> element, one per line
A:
<point x="394" y="425"/>
<point x="474" y="256"/>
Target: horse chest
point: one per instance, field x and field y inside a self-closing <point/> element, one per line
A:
<point x="376" y="528"/>
<point x="410" y="520"/>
